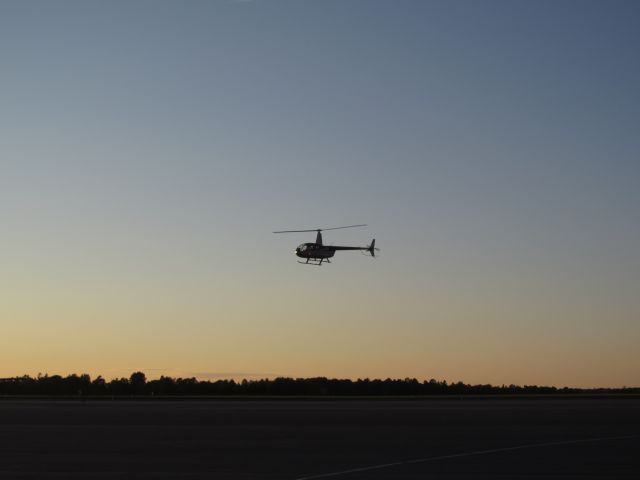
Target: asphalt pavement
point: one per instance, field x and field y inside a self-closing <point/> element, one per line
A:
<point x="453" y="439"/>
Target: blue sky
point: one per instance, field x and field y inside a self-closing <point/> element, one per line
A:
<point x="149" y="149"/>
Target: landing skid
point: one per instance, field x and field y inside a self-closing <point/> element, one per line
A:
<point x="315" y="262"/>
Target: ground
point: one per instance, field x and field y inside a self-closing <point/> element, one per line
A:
<point x="452" y="439"/>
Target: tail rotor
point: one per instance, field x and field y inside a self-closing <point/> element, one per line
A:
<point x="372" y="248"/>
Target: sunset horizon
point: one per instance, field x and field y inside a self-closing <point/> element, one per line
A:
<point x="150" y="149"/>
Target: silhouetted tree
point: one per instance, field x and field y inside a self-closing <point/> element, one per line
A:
<point x="137" y="384"/>
<point x="137" y="380"/>
<point x="99" y="386"/>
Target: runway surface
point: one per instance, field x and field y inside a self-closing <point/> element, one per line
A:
<point x="451" y="439"/>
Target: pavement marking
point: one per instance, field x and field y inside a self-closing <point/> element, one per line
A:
<point x="464" y="454"/>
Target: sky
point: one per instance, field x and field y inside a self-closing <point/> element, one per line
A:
<point x="148" y="149"/>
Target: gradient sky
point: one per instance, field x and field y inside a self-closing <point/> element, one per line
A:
<point x="149" y="148"/>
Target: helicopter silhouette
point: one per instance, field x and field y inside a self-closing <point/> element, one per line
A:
<point x="316" y="253"/>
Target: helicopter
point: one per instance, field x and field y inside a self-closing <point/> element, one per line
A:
<point x="318" y="252"/>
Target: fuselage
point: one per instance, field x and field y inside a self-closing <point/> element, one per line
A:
<point x="313" y="250"/>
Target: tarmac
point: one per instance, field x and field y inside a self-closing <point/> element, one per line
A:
<point x="294" y="439"/>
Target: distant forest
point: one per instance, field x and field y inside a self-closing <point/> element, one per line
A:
<point x="137" y="384"/>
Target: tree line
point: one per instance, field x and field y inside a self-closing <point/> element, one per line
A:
<point x="137" y="384"/>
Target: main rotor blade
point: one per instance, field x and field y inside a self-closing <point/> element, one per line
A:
<point x="320" y="229"/>
<point x="348" y="226"/>
<point x="293" y="231"/>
